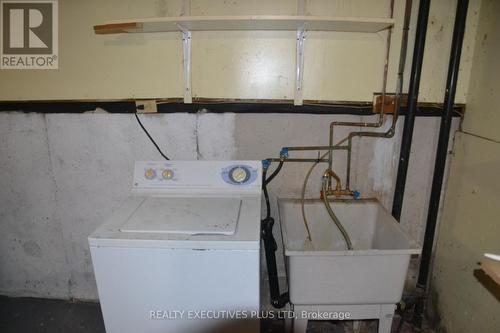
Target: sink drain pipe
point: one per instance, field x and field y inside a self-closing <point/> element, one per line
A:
<point x="441" y="155"/>
<point x="277" y="300"/>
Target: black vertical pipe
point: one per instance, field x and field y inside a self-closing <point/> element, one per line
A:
<point x="416" y="70"/>
<point x="444" y="136"/>
<point x="442" y="152"/>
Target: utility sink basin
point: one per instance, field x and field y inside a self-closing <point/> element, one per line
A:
<point x="323" y="271"/>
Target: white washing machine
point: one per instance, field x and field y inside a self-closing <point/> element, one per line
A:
<point x="182" y="253"/>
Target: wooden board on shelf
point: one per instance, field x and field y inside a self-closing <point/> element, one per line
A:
<point x="492" y="268"/>
<point x="262" y="22"/>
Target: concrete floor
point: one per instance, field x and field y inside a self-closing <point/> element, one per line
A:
<point x="47" y="316"/>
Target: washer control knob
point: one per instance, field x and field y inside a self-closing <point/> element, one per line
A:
<point x="167" y="174"/>
<point x="239" y="175"/>
<point x="150" y="174"/>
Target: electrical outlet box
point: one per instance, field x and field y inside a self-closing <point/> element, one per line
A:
<point x="146" y="106"/>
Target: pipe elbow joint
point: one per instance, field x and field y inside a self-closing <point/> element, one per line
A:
<point x="284" y="153"/>
<point x="266" y="163"/>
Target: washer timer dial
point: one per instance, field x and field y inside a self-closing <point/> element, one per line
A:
<point x="239" y="175"/>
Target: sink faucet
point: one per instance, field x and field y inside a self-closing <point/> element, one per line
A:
<point x="338" y="191"/>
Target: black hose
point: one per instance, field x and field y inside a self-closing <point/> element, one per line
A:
<point x="266" y="181"/>
<point x="266" y="194"/>
<point x="277" y="300"/>
<point x="274" y="174"/>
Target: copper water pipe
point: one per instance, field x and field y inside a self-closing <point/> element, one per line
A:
<point x="387" y="134"/>
<point x="391" y="131"/>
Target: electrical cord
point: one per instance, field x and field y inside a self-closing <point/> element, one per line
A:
<point x="150" y="138"/>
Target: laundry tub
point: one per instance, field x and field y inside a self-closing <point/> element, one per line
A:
<point x="323" y="276"/>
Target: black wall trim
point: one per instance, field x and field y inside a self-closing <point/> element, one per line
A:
<point x="68" y="107"/>
<point x="363" y="109"/>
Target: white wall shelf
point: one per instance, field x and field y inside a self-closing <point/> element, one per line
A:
<point x="299" y="23"/>
<point x="262" y="22"/>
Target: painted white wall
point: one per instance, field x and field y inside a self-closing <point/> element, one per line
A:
<point x="61" y="175"/>
<point x="338" y="66"/>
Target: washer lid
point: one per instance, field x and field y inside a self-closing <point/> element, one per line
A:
<point x="189" y="216"/>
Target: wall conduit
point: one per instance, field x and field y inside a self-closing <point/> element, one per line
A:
<point x="416" y="70"/>
<point x="441" y="155"/>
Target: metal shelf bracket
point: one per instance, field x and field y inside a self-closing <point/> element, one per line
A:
<point x="186" y="48"/>
<point x="299" y="73"/>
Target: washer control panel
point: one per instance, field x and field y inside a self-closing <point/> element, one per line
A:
<point x="167" y="176"/>
<point x="161" y="173"/>
<point x="154" y="174"/>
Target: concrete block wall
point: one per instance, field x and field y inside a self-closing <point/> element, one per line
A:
<point x="61" y="175"/>
<point x="466" y="299"/>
